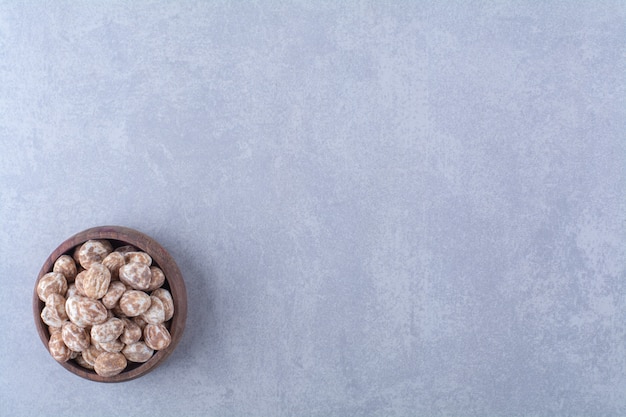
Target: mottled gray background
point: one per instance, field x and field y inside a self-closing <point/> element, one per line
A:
<point x="385" y="209"/>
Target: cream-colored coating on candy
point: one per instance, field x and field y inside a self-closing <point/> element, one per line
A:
<point x="110" y="364"/>
<point x="134" y="303"/>
<point x="132" y="332"/>
<point x="156" y="313"/>
<point x="93" y="251"/>
<point x="113" y="295"/>
<point x="140" y="257"/>
<point x="53" y="330"/>
<point x="114" y="261"/>
<point x="82" y="362"/>
<point x="79" y="283"/>
<point x="112" y="346"/>
<point x="76" y="338"/>
<point x="137" y="352"/>
<point x="72" y="290"/>
<point x="52" y="282"/>
<point x="168" y="302"/>
<point x="84" y="311"/>
<point x="139" y="321"/>
<point x="66" y="266"/>
<point x="157" y="278"/>
<point x="136" y="274"/>
<point x="53" y="314"/>
<point x="91" y="354"/>
<point x="57" y="348"/>
<point x="96" y="281"/>
<point x="107" y="331"/>
<point x="156" y="336"/>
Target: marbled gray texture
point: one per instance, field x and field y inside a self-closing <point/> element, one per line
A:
<point x="380" y="209"/>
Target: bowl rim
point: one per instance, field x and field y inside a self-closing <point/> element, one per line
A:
<point x="159" y="256"/>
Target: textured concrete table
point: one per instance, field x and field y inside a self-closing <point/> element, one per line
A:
<point x="379" y="209"/>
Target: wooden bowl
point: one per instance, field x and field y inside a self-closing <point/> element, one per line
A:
<point x="120" y="236"/>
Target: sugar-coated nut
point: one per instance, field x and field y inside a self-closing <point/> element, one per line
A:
<point x="91" y="354"/>
<point x="74" y="337"/>
<point x="79" y="282"/>
<point x="125" y="249"/>
<point x="72" y="290"/>
<point x="139" y="321"/>
<point x="156" y="336"/>
<point x="57" y="348"/>
<point x="96" y="281"/>
<point x="66" y="266"/>
<point x="113" y="295"/>
<point x="156" y="313"/>
<point x="107" y="331"/>
<point x="82" y="362"/>
<point x="112" y="346"/>
<point x="140" y="257"/>
<point x="114" y="261"/>
<point x="137" y="352"/>
<point x="117" y="311"/>
<point x="136" y="275"/>
<point x="110" y="364"/>
<point x="75" y="255"/>
<point x="167" y="300"/>
<point x="51" y="318"/>
<point x="132" y="332"/>
<point x="52" y="282"/>
<point x="157" y="278"/>
<point x="84" y="311"/>
<point x="134" y="303"/>
<point x="53" y="330"/>
<point x="93" y="251"/>
<point x="53" y="314"/>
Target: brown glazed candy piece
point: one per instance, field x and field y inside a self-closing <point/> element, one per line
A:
<point x="96" y="281"/>
<point x="72" y="290"/>
<point x="91" y="354"/>
<point x="93" y="251"/>
<point x="74" y="337"/>
<point x="53" y="330"/>
<point x="79" y="283"/>
<point x="140" y="257"/>
<point x="110" y="364"/>
<point x="113" y="295"/>
<point x="134" y="303"/>
<point x="132" y="332"/>
<point x="66" y="266"/>
<point x="157" y="278"/>
<point x="84" y="311"/>
<point x="52" y="282"/>
<point x="156" y="313"/>
<point x="53" y="314"/>
<point x="82" y="362"/>
<point x="107" y="331"/>
<point x="136" y="274"/>
<point x="137" y="352"/>
<point x="57" y="348"/>
<point x="112" y="346"/>
<point x="168" y="302"/>
<point x="139" y="321"/>
<point x="156" y="336"/>
<point x="114" y="261"/>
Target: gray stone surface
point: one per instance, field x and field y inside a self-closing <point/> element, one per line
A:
<point x="379" y="209"/>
